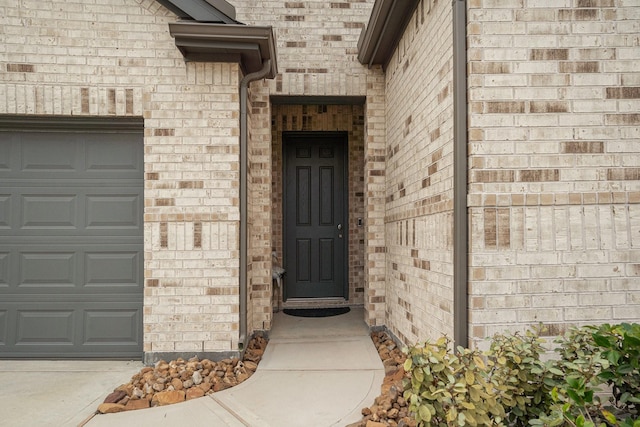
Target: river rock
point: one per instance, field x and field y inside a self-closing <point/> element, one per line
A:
<point x="169" y="397"/>
<point x="115" y="397"/>
<point x="134" y="404"/>
<point x="177" y="384"/>
<point x="194" y="392"/>
<point x="196" y="377"/>
<point x="110" y="408"/>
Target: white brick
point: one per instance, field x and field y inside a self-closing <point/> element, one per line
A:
<point x="614" y="299"/>
<point x="555" y="300"/>
<point x="588" y="314"/>
<point x="540" y="315"/>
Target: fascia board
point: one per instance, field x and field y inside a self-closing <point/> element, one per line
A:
<point x="387" y="23"/>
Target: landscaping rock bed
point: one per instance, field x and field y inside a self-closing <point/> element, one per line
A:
<point x="178" y="380"/>
<point x="389" y="409"/>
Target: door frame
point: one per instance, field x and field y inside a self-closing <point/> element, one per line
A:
<point x="342" y="137"/>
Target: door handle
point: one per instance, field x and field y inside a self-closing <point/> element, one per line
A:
<point x="339" y="227"/>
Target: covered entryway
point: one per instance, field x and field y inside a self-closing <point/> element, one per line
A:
<point x="71" y="230"/>
<point x="318" y="142"/>
<point x="316" y="210"/>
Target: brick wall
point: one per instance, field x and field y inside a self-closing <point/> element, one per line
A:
<point x="259" y="217"/>
<point x="191" y="214"/>
<point x="553" y="183"/>
<point x="374" y="190"/>
<point x="419" y="177"/>
<point x="116" y="58"/>
<point x="316" y="42"/>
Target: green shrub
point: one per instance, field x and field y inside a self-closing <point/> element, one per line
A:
<point x="449" y="388"/>
<point x="574" y="378"/>
<point x="595" y="362"/>
<point x="509" y="385"/>
<point x="517" y="372"/>
<point x="621" y="348"/>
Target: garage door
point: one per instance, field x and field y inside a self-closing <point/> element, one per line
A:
<point x="71" y="201"/>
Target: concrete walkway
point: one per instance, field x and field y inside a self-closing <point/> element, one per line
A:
<point x="47" y="393"/>
<point x="315" y="372"/>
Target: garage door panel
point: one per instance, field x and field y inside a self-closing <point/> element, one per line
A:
<point x="105" y="329"/>
<point x="62" y="209"/>
<point x="63" y="269"/>
<point x="53" y="153"/>
<point x="109" y="327"/>
<point x="51" y="211"/>
<point x="112" y="154"/>
<point x="116" y="269"/>
<point x="48" y="270"/>
<point x="57" y="155"/>
<point x="5" y="261"/>
<point x="6" y="150"/>
<point x="45" y="327"/>
<point x="113" y="211"/>
<point x="4" y="323"/>
<point x="5" y="211"/>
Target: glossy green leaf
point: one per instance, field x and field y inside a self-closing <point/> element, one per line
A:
<point x="624" y="369"/>
<point x="612" y="356"/>
<point x="606" y="375"/>
<point x="631" y="341"/>
<point x="556" y="371"/>
<point x="588" y="396"/>
<point x="575" y="397"/>
<point x="601" y="340"/>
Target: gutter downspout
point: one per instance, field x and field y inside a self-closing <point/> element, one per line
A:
<point x="460" y="217"/>
<point x="244" y="85"/>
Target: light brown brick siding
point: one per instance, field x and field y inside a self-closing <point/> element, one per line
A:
<point x="553" y="185"/>
<point x="419" y="171"/>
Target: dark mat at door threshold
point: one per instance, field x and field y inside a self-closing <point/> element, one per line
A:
<point x="316" y="312"/>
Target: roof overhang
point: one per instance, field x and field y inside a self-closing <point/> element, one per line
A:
<point x="387" y="23"/>
<point x="248" y="45"/>
<point x="202" y="10"/>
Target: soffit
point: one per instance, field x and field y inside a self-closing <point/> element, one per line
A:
<point x="251" y="46"/>
<point x="379" y="38"/>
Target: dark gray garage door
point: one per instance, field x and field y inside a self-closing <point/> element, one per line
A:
<point x="71" y="204"/>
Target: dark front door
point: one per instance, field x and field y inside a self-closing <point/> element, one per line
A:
<point x="315" y="227"/>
